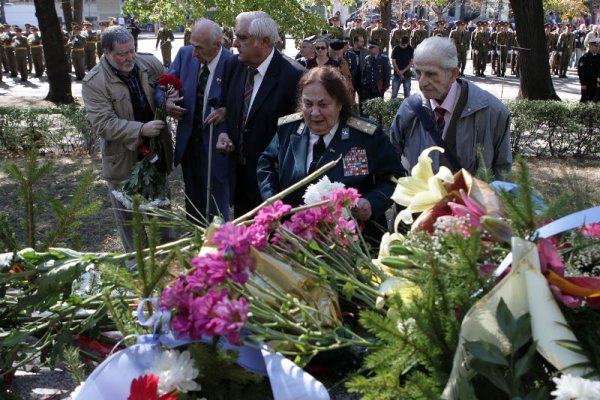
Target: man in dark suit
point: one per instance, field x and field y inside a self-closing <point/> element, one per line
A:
<point x="259" y="86"/>
<point x="200" y="68"/>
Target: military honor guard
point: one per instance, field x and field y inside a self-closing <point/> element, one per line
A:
<point x="101" y="27"/>
<point x="91" y="43"/>
<point x="10" y="61"/>
<point x="481" y="46"/>
<point x="187" y="34"/>
<point x="21" y="49"/>
<point x="504" y="42"/>
<point x="419" y="34"/>
<point x="565" y="47"/>
<point x="358" y="30"/>
<point x="335" y="31"/>
<point x="461" y="38"/>
<point x="401" y="30"/>
<point x="440" y="29"/>
<point x="380" y="34"/>
<point x="164" y="39"/>
<point x="37" y="52"/>
<point x="77" y="44"/>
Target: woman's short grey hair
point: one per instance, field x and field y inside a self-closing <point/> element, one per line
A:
<point x="114" y="35"/>
<point x="261" y="25"/>
<point x="437" y="48"/>
<point x="215" y="30"/>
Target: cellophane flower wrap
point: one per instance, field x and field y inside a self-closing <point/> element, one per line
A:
<point x="148" y="175"/>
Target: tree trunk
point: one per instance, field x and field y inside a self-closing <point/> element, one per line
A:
<point x="78" y="11"/>
<point x="67" y="13"/>
<point x="385" y="7"/>
<point x="2" y="13"/>
<point x="536" y="82"/>
<point x="56" y="63"/>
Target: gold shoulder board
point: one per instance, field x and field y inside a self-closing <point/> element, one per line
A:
<point x="289" y="118"/>
<point x="362" y="125"/>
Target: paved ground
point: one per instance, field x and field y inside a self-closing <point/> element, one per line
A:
<point x="31" y="93"/>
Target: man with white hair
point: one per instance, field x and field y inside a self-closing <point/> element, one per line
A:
<point x="453" y="113"/>
<point x="259" y="87"/>
<point x="200" y="67"/>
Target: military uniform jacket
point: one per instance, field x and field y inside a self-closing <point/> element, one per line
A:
<point x="566" y="41"/>
<point x="440" y="32"/>
<point x="461" y="39"/>
<point x="398" y="34"/>
<point x="503" y="41"/>
<point x="163" y="36"/>
<point x="381" y="36"/>
<point x="356" y="32"/>
<point x="417" y="36"/>
<point x="34" y="40"/>
<point x="6" y="38"/>
<point x="481" y="41"/>
<point x="20" y="42"/>
<point x="377" y="69"/>
<point x="91" y="40"/>
<point x="588" y="70"/>
<point x="368" y="161"/>
<point x="335" y="32"/>
<point x="77" y="42"/>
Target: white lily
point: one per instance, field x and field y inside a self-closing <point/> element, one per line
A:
<point x="423" y="189"/>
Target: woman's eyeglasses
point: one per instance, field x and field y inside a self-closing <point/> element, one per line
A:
<point x="320" y="48"/>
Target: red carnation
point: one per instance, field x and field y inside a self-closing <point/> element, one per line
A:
<point x="167" y="80"/>
<point x="146" y="388"/>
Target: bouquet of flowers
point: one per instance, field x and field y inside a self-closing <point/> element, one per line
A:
<point x="148" y="175"/>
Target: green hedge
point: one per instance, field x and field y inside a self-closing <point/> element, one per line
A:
<point x="63" y="129"/>
<point x="538" y="128"/>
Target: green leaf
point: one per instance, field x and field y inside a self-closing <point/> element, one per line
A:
<point x="523" y="364"/>
<point x="506" y="320"/>
<point x="466" y="390"/>
<point x="348" y="290"/>
<point x="541" y="393"/>
<point x="492" y="373"/>
<point x="486" y="352"/>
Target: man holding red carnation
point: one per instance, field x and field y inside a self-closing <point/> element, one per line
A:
<point x="119" y="97"/>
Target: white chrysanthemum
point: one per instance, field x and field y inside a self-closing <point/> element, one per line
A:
<point x="315" y="192"/>
<point x="175" y="370"/>
<point x="575" y="388"/>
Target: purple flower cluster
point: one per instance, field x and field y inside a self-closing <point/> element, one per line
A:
<point x="202" y="302"/>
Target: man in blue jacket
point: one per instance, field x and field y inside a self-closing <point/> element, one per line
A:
<point x="200" y="68"/>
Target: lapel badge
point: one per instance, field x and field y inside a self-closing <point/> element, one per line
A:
<point x="300" y="129"/>
<point x="345" y="133"/>
<point x="218" y="81"/>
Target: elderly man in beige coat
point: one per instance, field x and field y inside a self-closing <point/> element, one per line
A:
<point x="119" y="97"/>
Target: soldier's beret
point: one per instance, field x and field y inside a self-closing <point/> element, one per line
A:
<point x="337" y="44"/>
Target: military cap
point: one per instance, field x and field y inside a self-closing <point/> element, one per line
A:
<point x="27" y="25"/>
<point x="422" y="21"/>
<point x="34" y="28"/>
<point x="310" y="39"/>
<point x="17" y="28"/>
<point x="102" y="24"/>
<point x="440" y="22"/>
<point x="337" y="44"/>
<point x="459" y="22"/>
<point x="373" y="43"/>
<point x="548" y="24"/>
<point x="358" y="18"/>
<point x="479" y="23"/>
<point x="87" y="23"/>
<point x="76" y="27"/>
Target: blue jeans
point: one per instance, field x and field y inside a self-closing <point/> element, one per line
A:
<point x="396" y="86"/>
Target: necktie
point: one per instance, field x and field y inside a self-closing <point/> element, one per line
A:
<point x="202" y="80"/>
<point x="318" y="150"/>
<point x="439" y="117"/>
<point x="248" y="89"/>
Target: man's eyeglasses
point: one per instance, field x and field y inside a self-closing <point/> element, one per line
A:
<point x="320" y="48"/>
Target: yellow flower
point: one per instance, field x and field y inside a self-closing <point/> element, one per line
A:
<point x="423" y="189"/>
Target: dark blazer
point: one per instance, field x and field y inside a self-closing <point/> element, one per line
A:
<point x="192" y="142"/>
<point x="368" y="162"/>
<point x="275" y="98"/>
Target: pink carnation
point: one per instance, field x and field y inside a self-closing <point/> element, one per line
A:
<point x="229" y="318"/>
<point x="591" y="230"/>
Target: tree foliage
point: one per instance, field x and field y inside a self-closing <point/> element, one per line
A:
<point x="294" y="17"/>
<point x="566" y="7"/>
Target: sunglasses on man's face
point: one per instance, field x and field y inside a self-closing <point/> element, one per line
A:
<point x="320" y="48"/>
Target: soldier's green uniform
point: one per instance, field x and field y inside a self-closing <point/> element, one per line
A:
<point x="461" y="38"/>
<point x="21" y="48"/>
<point x="417" y="36"/>
<point x="565" y="46"/>
<point x="67" y="46"/>
<point x="227" y="37"/>
<point x="440" y="30"/>
<point x="37" y="52"/>
<point x="398" y="34"/>
<point x="381" y="36"/>
<point x="3" y="66"/>
<point x="99" y="38"/>
<point x="335" y="32"/>
<point x="164" y="39"/>
<point x="78" y="44"/>
<point x="9" y="54"/>
<point x="481" y="44"/>
<point x="552" y="41"/>
<point x="187" y="34"/>
<point x="358" y="31"/>
<point x="504" y="41"/>
<point x="91" y="43"/>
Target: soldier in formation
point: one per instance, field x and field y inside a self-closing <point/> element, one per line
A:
<point x="380" y="34"/>
<point x="440" y="29"/>
<point x="419" y="34"/>
<point x="399" y="32"/>
<point x="335" y="31"/>
<point x="77" y="44"/>
<point x="26" y="33"/>
<point x="101" y="27"/>
<point x="565" y="47"/>
<point x="21" y="49"/>
<point x="480" y="43"/>
<point x="504" y="41"/>
<point x="358" y="30"/>
<point x="10" y="62"/>
<point x="91" y="43"/>
<point x="37" y="53"/>
<point x="164" y="39"/>
<point x="1" y="51"/>
<point x="187" y="34"/>
<point x="461" y="38"/>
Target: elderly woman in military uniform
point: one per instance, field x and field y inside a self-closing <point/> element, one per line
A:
<point x="324" y="130"/>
